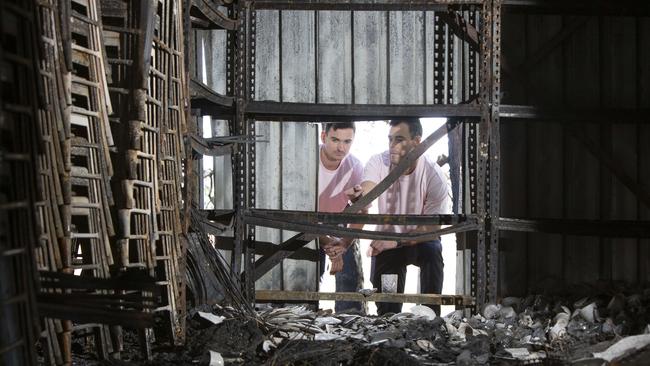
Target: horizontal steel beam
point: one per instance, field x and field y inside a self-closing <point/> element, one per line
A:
<point x="578" y="7"/>
<point x="325" y="112"/>
<point x="364" y="5"/>
<point x="312" y="230"/>
<point x="285" y="111"/>
<point x="359" y="218"/>
<point x="604" y="228"/>
<point x="609" y="115"/>
<point x="434" y="299"/>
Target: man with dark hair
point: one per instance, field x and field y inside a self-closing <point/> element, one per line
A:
<point x="339" y="171"/>
<point x="421" y="190"/>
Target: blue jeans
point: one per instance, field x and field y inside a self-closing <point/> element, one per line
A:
<point x="347" y="280"/>
<point x="426" y="255"/>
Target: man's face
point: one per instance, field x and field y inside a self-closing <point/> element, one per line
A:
<point x="337" y="143"/>
<point x="400" y="142"/>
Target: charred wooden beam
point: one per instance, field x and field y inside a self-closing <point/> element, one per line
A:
<point x="605" y="228"/>
<point x="302" y="296"/>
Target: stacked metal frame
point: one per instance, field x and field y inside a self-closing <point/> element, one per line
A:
<point x="18" y="126"/>
<point x="52" y="131"/>
<point x="147" y="86"/>
<point x="168" y="84"/>
<point x="74" y="164"/>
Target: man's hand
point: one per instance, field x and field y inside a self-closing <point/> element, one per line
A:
<point x="337" y="264"/>
<point x="378" y="246"/>
<point x="334" y="246"/>
<point x="354" y="193"/>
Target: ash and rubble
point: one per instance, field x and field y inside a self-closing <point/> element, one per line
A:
<point x="612" y="327"/>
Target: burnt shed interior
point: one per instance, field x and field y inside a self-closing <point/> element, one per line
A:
<point x="159" y="168"/>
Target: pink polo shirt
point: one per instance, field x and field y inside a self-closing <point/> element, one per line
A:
<point x="423" y="192"/>
<point x="333" y="183"/>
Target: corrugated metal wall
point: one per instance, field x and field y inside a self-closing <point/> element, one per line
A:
<point x="547" y="173"/>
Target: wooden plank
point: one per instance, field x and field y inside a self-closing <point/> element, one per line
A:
<point x="435" y="299"/>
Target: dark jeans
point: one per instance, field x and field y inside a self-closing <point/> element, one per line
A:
<point x="426" y="255"/>
<point x="347" y="280"/>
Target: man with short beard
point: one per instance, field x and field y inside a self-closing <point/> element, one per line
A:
<point x="421" y="190"/>
<point x="339" y="171"/>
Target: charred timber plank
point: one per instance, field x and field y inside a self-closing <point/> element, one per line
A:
<point x="267" y="248"/>
<point x="128" y="281"/>
<point x="578" y="7"/>
<point x="434" y="299"/>
<point x="285" y="250"/>
<point x="604" y="115"/>
<point x="87" y="314"/>
<point x="605" y="228"/>
<point x="285" y="111"/>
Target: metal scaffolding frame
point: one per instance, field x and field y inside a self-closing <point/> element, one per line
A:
<point x="240" y="108"/>
<point x="476" y="107"/>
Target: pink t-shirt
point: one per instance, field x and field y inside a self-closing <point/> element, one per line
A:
<point x="423" y="192"/>
<point x="332" y="184"/>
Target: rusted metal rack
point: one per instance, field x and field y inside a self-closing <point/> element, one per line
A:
<point x="477" y="108"/>
<point x="18" y="174"/>
<point x="148" y="89"/>
<point x="54" y="131"/>
<point x="477" y="113"/>
<point x="74" y="164"/>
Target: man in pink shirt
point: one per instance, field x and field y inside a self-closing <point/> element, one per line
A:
<point x="339" y="171"/>
<point x="421" y="190"/>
